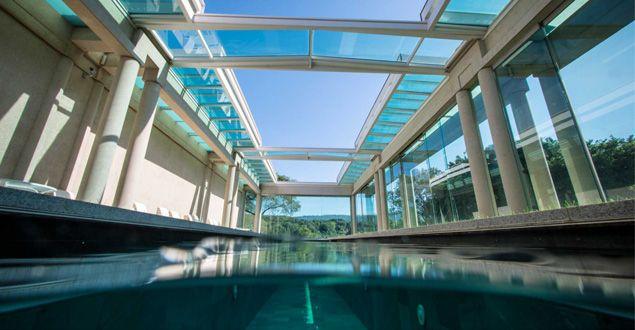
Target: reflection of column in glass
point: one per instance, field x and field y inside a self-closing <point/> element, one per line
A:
<point x="573" y="150"/>
<point x="257" y="211"/>
<point x="407" y="198"/>
<point x="542" y="183"/>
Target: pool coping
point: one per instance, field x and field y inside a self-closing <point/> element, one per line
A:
<point x="25" y="202"/>
<point x="597" y="214"/>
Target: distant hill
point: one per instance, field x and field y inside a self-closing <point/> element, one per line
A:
<point x="325" y="217"/>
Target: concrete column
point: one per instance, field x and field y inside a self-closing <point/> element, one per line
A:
<point x="116" y="108"/>
<point x="353" y="215"/>
<point x="257" y="225"/>
<point x="82" y="144"/>
<point x="24" y="167"/>
<point x="476" y="157"/>
<point x="503" y="147"/>
<point x="140" y="138"/>
<point x="231" y="185"/>
<point x="377" y="201"/>
<point x="380" y="200"/>
<point x="209" y="177"/>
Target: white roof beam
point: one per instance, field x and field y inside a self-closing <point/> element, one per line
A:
<point x="319" y="63"/>
<point x="240" y="22"/>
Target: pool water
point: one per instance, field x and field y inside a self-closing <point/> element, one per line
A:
<point x="237" y="284"/>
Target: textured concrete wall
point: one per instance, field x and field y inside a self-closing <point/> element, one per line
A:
<point x="175" y="169"/>
<point x="29" y="60"/>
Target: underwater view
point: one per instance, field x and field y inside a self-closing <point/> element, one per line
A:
<point x="221" y="283"/>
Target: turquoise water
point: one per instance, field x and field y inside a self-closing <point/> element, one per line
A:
<point x="238" y="284"/>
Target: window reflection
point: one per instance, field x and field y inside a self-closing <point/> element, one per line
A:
<point x="366" y="214"/>
<point x="568" y="97"/>
<point x="431" y="183"/>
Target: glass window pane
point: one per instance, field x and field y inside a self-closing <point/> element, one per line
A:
<point x="182" y="43"/>
<point x="470" y="12"/>
<point x="151" y="6"/>
<point x="258" y="42"/>
<point x="363" y="46"/>
<point x="366" y="214"/>
<point x="436" y="51"/>
<point x="549" y="146"/>
<point x="604" y="102"/>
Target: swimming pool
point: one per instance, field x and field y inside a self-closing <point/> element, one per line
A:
<point x="221" y="283"/>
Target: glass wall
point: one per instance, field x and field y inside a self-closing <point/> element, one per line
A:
<point x="435" y="175"/>
<point x="306" y="216"/>
<point x="249" y="209"/>
<point x="365" y="211"/>
<point x="395" y="209"/>
<point x="568" y="96"/>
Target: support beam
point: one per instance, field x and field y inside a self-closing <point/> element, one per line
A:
<point x="243" y="22"/>
<point x="476" y="157"/>
<point x="305" y="189"/>
<point x="140" y="138"/>
<point x="116" y="108"/>
<point x="308" y="63"/>
<point x="231" y="184"/>
<point x="353" y="215"/>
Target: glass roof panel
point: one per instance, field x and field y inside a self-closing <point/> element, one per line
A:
<point x="436" y="51"/>
<point x="363" y="46"/>
<point x="403" y="104"/>
<point x="470" y="12"/>
<point x="412" y="97"/>
<point x="258" y="42"/>
<point x="151" y="6"/>
<point x="182" y="43"/>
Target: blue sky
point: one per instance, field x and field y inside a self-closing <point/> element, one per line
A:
<point x="309" y="109"/>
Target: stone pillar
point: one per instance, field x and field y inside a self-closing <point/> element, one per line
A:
<point x="140" y="138"/>
<point x="231" y="187"/>
<point x="503" y="147"/>
<point x="257" y="224"/>
<point x="380" y="200"/>
<point x="377" y="201"/>
<point x="116" y="108"/>
<point x="82" y="144"/>
<point x="24" y="167"/>
<point x="577" y="158"/>
<point x="353" y="215"/>
<point x="476" y="156"/>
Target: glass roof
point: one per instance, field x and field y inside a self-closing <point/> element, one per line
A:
<point x="309" y="154"/>
<point x="151" y="6"/>
<point x="334" y="44"/>
<point x="409" y="95"/>
<point x="471" y="12"/>
<point x="204" y="92"/>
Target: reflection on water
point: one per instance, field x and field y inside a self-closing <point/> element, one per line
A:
<point x="235" y="284"/>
